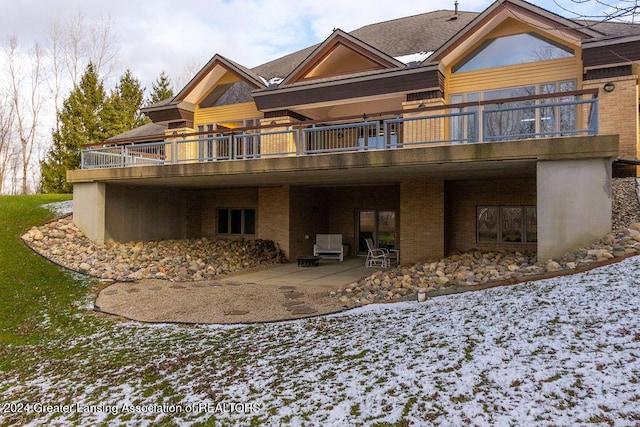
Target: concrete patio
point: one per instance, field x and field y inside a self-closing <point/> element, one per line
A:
<point x="279" y="293"/>
<point x="329" y="273"/>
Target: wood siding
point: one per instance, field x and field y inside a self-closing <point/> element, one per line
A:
<point x="226" y="113"/>
<point x="613" y="54"/>
<point x="515" y="75"/>
<point x="426" y="79"/>
<point x="170" y="114"/>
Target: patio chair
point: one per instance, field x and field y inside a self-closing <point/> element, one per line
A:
<point x="376" y="257"/>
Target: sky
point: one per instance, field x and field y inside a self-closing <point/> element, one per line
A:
<point x="180" y="37"/>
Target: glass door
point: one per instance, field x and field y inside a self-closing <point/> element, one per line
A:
<point x="386" y="235"/>
<point x="380" y="226"/>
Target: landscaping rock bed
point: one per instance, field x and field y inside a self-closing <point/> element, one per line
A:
<point x="625" y="205"/>
<point x="179" y="260"/>
<point x="476" y="268"/>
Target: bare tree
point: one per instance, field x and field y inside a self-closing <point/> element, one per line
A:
<point x="26" y="97"/>
<point x="611" y="10"/>
<point x="57" y="62"/>
<point x="74" y="47"/>
<point x="189" y="70"/>
<point x="71" y="46"/>
<point x="80" y="43"/>
<point x="104" y="49"/>
<point x="6" y="130"/>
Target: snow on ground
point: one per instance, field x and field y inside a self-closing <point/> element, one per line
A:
<point x="60" y="208"/>
<point x="563" y="351"/>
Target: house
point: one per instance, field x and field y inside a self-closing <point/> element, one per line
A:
<point x="443" y="131"/>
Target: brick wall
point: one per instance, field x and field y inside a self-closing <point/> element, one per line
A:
<point x="208" y="202"/>
<point x="344" y="204"/>
<point x="464" y="196"/>
<point x="421" y="221"/>
<point x="618" y="112"/>
<point x="308" y="218"/>
<point x="273" y="216"/>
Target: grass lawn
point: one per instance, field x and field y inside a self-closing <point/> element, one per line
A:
<point x="563" y="351"/>
<point x="39" y="301"/>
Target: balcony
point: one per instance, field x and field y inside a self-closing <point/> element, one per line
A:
<point x="534" y="117"/>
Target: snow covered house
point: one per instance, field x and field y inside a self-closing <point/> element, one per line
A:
<point x="443" y="131"/>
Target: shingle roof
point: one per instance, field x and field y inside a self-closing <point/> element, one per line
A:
<point x="403" y="36"/>
<point x="613" y="29"/>
<point x="146" y="130"/>
<point x="418" y="33"/>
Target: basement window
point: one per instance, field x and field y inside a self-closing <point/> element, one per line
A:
<point x="236" y="221"/>
<point x="506" y="224"/>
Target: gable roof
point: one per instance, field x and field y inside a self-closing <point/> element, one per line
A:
<point x="518" y="9"/>
<point x="340" y="38"/>
<point x="430" y="31"/>
<point x="398" y="37"/>
<point x="148" y="131"/>
<point x="244" y="73"/>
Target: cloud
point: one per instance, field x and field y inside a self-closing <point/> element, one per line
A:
<point x="156" y="36"/>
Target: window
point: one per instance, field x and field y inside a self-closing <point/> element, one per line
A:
<point x="512" y="50"/>
<point x="207" y="145"/>
<point x="236" y="221"/>
<point x="502" y="121"/>
<point x="506" y="224"/>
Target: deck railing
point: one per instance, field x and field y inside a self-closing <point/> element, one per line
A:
<point x="555" y="115"/>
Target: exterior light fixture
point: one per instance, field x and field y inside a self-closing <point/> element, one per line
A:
<point x="609" y="87"/>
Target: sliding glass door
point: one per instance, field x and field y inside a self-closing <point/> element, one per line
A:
<point x="380" y="226"/>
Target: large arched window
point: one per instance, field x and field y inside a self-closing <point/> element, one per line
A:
<point x="512" y="50"/>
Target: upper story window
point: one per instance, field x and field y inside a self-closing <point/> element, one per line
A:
<point x="512" y="50"/>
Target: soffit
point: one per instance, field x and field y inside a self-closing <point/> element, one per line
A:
<point x="206" y="79"/>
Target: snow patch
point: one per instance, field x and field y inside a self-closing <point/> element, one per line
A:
<point x="414" y="58"/>
<point x="60" y="208"/>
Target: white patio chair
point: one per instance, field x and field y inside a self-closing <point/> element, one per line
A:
<point x="376" y="257"/>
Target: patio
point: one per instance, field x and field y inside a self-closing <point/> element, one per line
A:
<point x="273" y="294"/>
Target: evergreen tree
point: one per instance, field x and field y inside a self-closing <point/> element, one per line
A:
<point x="79" y="124"/>
<point x="161" y="89"/>
<point x="121" y="111"/>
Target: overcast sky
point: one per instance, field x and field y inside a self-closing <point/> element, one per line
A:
<point x="175" y="36"/>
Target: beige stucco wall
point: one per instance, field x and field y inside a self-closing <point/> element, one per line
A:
<point x="574" y="204"/>
<point x="89" y="210"/>
<point x="143" y="213"/>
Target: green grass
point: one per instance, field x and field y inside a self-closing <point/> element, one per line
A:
<point x="36" y="297"/>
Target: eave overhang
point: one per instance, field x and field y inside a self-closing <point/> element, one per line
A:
<point x="172" y="111"/>
<point x="218" y="60"/>
<point x="610" y="52"/>
<point x="370" y="84"/>
<point x="520" y="10"/>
